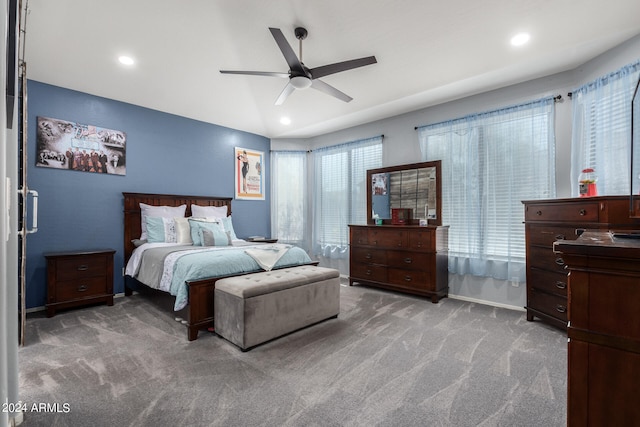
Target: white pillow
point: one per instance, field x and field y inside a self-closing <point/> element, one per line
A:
<point x="208" y="211"/>
<point x="158" y="211"/>
<point x="183" y="231"/>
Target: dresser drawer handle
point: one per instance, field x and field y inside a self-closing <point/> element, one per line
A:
<point x="83" y="267"/>
<point x="368" y="273"/>
<point x="560" y="237"/>
<point x="368" y="256"/>
<point x="375" y="242"/>
<point x="559" y="261"/>
<point x="408" y="260"/>
<point x="539" y="213"/>
<point x="561" y="285"/>
<point x="407" y="278"/>
<point x="82" y="288"/>
<point x="583" y="212"/>
<point x="561" y="308"/>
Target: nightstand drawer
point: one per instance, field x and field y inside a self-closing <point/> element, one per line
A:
<point x="80" y="267"/>
<point x="78" y="289"/>
<point x="79" y="278"/>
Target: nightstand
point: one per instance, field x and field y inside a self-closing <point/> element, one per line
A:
<point x="79" y="278"/>
<point x="261" y="240"/>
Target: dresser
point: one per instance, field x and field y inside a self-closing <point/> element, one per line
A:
<point x="79" y="278"/>
<point x="408" y="258"/>
<point x="603" y="330"/>
<point x="548" y="221"/>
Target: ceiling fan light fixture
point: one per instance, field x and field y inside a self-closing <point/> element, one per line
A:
<point x="300" y="82"/>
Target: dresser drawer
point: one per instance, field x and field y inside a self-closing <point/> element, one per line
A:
<point x="359" y="236"/>
<point x="412" y="279"/>
<point x="376" y="273"/>
<point x="80" y="267"/>
<point x="548" y="281"/>
<point x="552" y="305"/>
<point x="409" y="260"/>
<point x="367" y="255"/>
<point x="388" y="238"/>
<point x="544" y="258"/>
<point x="546" y="235"/>
<point x="77" y="289"/>
<point x="563" y="212"/>
<point x="421" y="241"/>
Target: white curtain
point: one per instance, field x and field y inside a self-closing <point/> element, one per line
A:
<point x="289" y="197"/>
<point x="601" y="136"/>
<point x="339" y="197"/>
<point x="490" y="163"/>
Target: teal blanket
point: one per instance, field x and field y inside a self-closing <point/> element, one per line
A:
<point x="218" y="263"/>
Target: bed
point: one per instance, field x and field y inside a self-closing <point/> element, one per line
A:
<point x="195" y="291"/>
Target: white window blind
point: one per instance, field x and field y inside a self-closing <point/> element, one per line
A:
<point x="490" y="163"/>
<point x="601" y="136"/>
<point x="340" y="191"/>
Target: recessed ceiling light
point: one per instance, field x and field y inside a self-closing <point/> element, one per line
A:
<point x="520" y="39"/>
<point x="285" y="121"/>
<point x="126" y="60"/>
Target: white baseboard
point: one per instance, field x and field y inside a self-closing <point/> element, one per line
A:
<point x="485" y="302"/>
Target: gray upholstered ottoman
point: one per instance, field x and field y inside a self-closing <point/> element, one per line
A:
<point x="255" y="308"/>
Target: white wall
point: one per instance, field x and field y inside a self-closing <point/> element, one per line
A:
<point x="401" y="143"/>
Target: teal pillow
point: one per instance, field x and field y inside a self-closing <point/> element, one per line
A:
<point x="160" y="230"/>
<point x="228" y="227"/>
<point x="215" y="228"/>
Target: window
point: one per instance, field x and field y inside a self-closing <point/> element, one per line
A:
<point x="340" y="192"/>
<point x="601" y="137"/>
<point x="288" y="196"/>
<point x="490" y="163"/>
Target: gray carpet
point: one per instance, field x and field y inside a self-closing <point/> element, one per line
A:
<point x="388" y="360"/>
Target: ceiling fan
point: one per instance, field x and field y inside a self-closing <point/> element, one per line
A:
<point x="302" y="77"/>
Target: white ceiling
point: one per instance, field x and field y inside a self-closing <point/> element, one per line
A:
<point x="428" y="52"/>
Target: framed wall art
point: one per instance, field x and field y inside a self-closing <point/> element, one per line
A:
<point x="78" y="147"/>
<point x="249" y="174"/>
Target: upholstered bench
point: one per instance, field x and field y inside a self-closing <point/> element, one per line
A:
<point x="258" y="307"/>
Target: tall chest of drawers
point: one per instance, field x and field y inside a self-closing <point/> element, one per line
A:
<point x="409" y="259"/>
<point x="548" y="221"/>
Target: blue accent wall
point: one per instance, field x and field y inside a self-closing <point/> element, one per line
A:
<point x="165" y="154"/>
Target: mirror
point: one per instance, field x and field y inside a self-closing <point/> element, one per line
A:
<point x="416" y="186"/>
<point x="635" y="153"/>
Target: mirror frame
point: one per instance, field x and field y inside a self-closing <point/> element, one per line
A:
<point x="415" y="221"/>
<point x="634" y="199"/>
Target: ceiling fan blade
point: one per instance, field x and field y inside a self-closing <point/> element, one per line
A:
<point x="287" y="51"/>
<point x="330" y="90"/>
<point x="288" y="89"/>
<point x="256" y="73"/>
<point x="325" y="70"/>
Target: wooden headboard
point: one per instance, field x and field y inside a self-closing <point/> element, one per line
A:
<point x="132" y="219"/>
